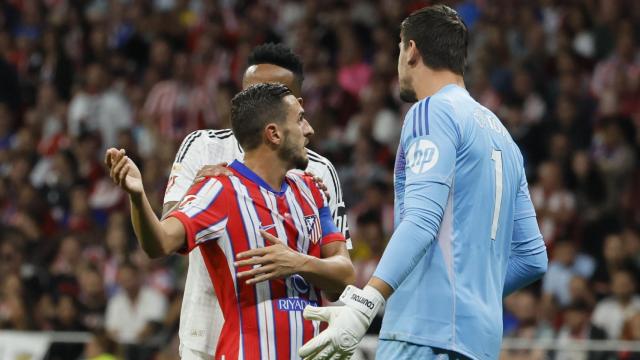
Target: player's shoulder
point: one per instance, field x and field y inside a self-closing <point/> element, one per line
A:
<point x="205" y="135"/>
<point x="223" y="182"/>
<point x="300" y="178"/>
<point x="429" y="115"/>
<point x="198" y="140"/>
<point x="297" y="176"/>
<point x="318" y="163"/>
<point x="221" y="134"/>
<point x="304" y="183"/>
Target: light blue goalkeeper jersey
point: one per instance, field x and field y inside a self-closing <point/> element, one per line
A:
<point x="466" y="232"/>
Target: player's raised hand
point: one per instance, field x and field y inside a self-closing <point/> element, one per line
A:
<point x="276" y="261"/>
<point x="123" y="171"/>
<point x="213" y="170"/>
<point x="347" y="324"/>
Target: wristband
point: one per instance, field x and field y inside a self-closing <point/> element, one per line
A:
<point x="368" y="300"/>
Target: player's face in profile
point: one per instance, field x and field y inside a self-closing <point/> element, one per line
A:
<point x="407" y="92"/>
<point x="296" y="135"/>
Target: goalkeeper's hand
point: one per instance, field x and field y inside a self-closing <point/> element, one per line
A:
<point x="347" y="324"/>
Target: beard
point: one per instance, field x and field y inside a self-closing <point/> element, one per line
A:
<point x="291" y="154"/>
<point x="407" y="93"/>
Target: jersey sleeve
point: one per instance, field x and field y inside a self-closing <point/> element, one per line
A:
<point x="336" y="204"/>
<point x="330" y="231"/>
<point x="190" y="158"/>
<point x="528" y="258"/>
<point x="524" y="206"/>
<point x="203" y="212"/>
<point x="430" y="141"/>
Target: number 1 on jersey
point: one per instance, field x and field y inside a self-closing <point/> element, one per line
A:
<point x="496" y="156"/>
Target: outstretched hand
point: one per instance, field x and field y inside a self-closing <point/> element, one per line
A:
<point x="123" y="171"/>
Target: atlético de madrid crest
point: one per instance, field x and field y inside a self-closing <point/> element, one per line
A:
<point x="314" y="232"/>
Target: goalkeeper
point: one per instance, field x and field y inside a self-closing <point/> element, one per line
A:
<point x="466" y="232"/>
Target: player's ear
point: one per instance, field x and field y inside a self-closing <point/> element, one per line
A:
<point x="413" y="55"/>
<point x="273" y="134"/>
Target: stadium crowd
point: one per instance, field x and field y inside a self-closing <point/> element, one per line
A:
<point x="77" y="77"/>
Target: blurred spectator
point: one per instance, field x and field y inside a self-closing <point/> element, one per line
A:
<point x="590" y="188"/>
<point x="178" y="106"/>
<point x="554" y="204"/>
<point x="577" y="327"/>
<point x="369" y="245"/>
<point x="611" y="313"/>
<point x="68" y="315"/>
<point x="134" y="313"/>
<point x="98" y="108"/>
<point x="101" y="347"/>
<point x="68" y="257"/>
<point x="620" y="72"/>
<point x="615" y="158"/>
<point x="117" y="252"/>
<point x="615" y="258"/>
<point x="14" y="310"/>
<point x="630" y="332"/>
<point x="526" y="317"/>
<point x="92" y="297"/>
<point x="564" y="265"/>
<point x="376" y="120"/>
<point x="526" y="325"/>
<point x="580" y="291"/>
<point x="631" y="243"/>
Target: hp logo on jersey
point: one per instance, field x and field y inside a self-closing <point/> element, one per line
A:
<point x="422" y="156"/>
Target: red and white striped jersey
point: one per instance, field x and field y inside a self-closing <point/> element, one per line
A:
<point x="201" y="318"/>
<point x="222" y="216"/>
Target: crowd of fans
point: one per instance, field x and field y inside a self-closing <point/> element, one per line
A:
<point x="80" y="76"/>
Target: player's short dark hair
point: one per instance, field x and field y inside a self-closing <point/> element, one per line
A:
<point x="255" y="107"/>
<point x="440" y="36"/>
<point x="279" y="55"/>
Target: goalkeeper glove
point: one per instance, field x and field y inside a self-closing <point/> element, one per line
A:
<point x="347" y="324"/>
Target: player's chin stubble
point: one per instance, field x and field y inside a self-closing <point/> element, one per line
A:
<point x="293" y="155"/>
<point x="408" y="95"/>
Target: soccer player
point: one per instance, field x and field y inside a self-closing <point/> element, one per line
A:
<point x="465" y="229"/>
<point x="201" y="318"/>
<point x="238" y="216"/>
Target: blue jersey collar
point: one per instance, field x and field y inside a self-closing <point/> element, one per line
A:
<point x="243" y="170"/>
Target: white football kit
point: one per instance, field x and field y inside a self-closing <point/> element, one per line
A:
<point x="201" y="317"/>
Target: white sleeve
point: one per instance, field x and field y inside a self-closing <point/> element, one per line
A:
<point x="190" y="158"/>
<point x="338" y="210"/>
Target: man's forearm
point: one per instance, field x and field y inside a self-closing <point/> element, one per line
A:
<point x="152" y="236"/>
<point x="331" y="274"/>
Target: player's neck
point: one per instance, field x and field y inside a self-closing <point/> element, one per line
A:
<point x="435" y="80"/>
<point x="268" y="166"/>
